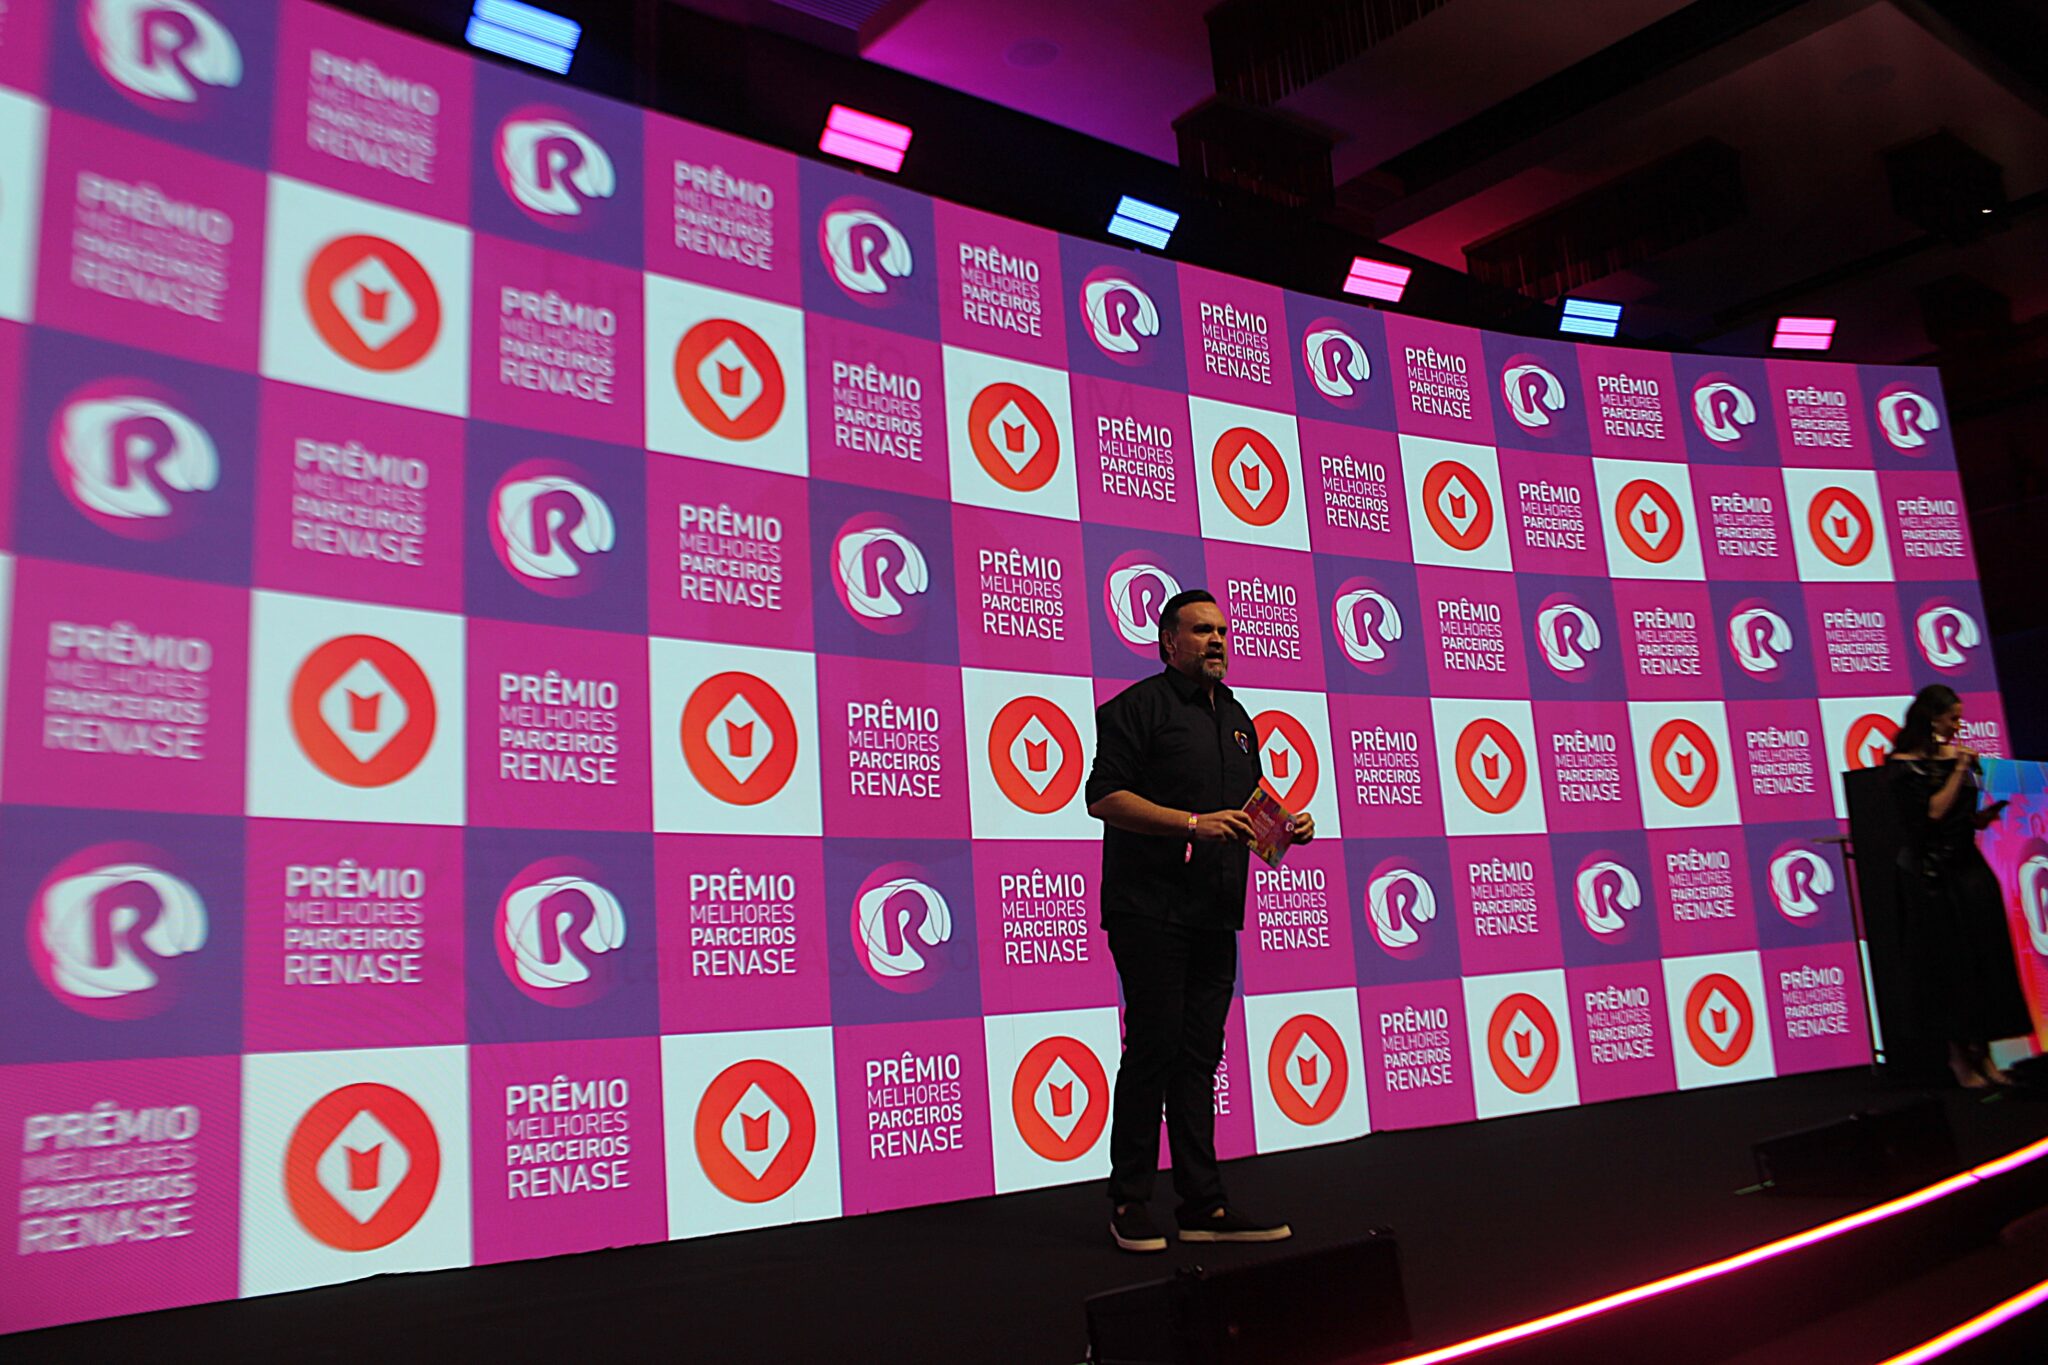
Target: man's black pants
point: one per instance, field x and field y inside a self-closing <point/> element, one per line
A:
<point x="1177" y="983"/>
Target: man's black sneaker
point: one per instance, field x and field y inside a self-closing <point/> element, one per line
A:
<point x="1228" y="1225"/>
<point x="1133" y="1228"/>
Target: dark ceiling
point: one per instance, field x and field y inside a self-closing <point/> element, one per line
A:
<point x="1524" y="142"/>
<point x="1710" y="164"/>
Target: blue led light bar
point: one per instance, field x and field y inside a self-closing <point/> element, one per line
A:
<point x="524" y="34"/>
<point x="1585" y="317"/>
<point x="1147" y="224"/>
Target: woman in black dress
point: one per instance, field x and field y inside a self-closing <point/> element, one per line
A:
<point x="1952" y="915"/>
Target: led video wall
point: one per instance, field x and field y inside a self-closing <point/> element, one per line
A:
<point x="2016" y="846"/>
<point x="551" y="655"/>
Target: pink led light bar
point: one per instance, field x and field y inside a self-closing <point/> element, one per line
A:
<point x="1941" y="1189"/>
<point x="1377" y="279"/>
<point x="1804" y="334"/>
<point x="1996" y="1316"/>
<point x="864" y="138"/>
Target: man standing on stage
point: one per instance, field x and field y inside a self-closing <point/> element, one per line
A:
<point x="1176" y="758"/>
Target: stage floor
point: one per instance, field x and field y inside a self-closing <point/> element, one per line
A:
<point x="1497" y="1222"/>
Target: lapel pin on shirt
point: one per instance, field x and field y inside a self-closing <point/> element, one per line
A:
<point x="1244" y="743"/>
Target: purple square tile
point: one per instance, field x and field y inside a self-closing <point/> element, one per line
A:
<point x="868" y="251"/>
<point x="197" y="74"/>
<point x="1341" y="371"/>
<point x="553" y="538"/>
<point x="134" y="461"/>
<point x="1405" y="929"/>
<point x="1538" y="400"/>
<point x="1131" y="575"/>
<point x="1123" y="315"/>
<point x="561" y="936"/>
<point x="882" y="575"/>
<point x="1608" y="905"/>
<point x="1577" y="643"/>
<point x="134" y="936"/>
<point x="1764" y="640"/>
<point x="1726" y="406"/>
<point x="556" y="167"/>
<point x="900" y="922"/>
<point x="1373" y="629"/>
<point x="1949" y="642"/>
<point x="1908" y="417"/>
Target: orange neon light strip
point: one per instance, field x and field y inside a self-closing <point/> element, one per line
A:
<point x="1550" y="1322"/>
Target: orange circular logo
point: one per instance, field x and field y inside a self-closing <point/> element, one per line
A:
<point x="1250" y="476"/>
<point x="1035" y="753"/>
<point x="361" y="1167"/>
<point x="1458" y="507"/>
<point x="1650" y="521"/>
<point x="1869" y="741"/>
<point x="363" y="711"/>
<point x="1522" y="1043"/>
<point x="373" y="303"/>
<point x="1307" y="1069"/>
<point x="1287" y="756"/>
<point x="729" y="379"/>
<point x="739" y="738"/>
<point x="1719" y="1020"/>
<point x="1492" y="771"/>
<point x="1841" y="527"/>
<point x="1060" y="1098"/>
<point x="755" y="1131"/>
<point x="1014" y="437"/>
<point x="1685" y="763"/>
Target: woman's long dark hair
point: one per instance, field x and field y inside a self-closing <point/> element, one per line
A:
<point x="1916" y="731"/>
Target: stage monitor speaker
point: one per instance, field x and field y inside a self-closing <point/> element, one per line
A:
<point x="1339" y="1303"/>
<point x="1883" y="1151"/>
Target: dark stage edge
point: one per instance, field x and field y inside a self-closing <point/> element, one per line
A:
<point x="1497" y="1222"/>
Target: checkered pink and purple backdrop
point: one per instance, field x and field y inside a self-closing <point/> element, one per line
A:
<point x="551" y="653"/>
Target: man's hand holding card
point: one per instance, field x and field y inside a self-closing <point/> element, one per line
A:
<point x="1274" y="827"/>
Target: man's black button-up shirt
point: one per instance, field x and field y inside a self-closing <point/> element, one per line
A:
<point x="1162" y="740"/>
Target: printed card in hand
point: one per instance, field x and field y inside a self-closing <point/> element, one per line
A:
<point x="1272" y="826"/>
